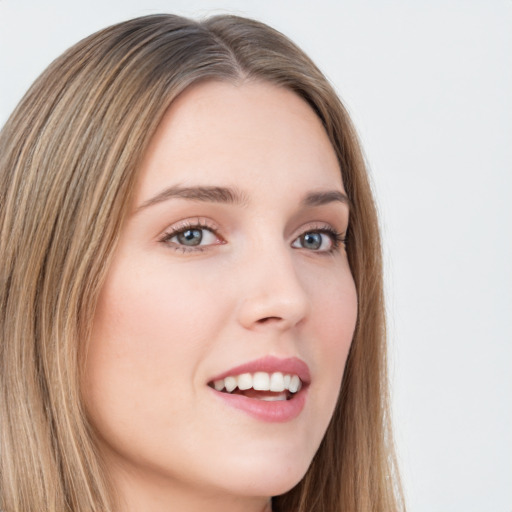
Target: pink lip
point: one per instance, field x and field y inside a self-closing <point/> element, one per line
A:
<point x="271" y="364"/>
<point x="279" y="411"/>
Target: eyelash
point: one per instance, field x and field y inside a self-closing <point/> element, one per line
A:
<point x="337" y="239"/>
<point x="185" y="226"/>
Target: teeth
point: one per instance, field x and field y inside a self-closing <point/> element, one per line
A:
<point x="277" y="382"/>
<point x="277" y="398"/>
<point x="261" y="381"/>
<point x="231" y="383"/>
<point x="244" y="381"/>
<point x="295" y="384"/>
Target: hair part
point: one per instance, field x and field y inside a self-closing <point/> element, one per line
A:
<point x="69" y="157"/>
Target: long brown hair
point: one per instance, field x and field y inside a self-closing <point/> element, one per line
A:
<point x="69" y="156"/>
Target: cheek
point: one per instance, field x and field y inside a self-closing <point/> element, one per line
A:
<point x="150" y="311"/>
<point x="145" y="344"/>
<point x="335" y="316"/>
<point x="333" y="298"/>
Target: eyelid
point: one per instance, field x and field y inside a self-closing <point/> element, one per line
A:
<point x="338" y="237"/>
<point x="193" y="223"/>
<point x="318" y="226"/>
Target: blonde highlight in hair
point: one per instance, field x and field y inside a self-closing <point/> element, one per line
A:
<point x="69" y="157"/>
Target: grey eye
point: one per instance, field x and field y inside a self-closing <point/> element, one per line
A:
<point x="190" y="237"/>
<point x="311" y="241"/>
<point x="314" y="241"/>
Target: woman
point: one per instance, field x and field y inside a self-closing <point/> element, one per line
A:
<point x="191" y="297"/>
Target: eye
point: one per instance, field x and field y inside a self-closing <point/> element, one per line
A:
<point x="325" y="240"/>
<point x="193" y="236"/>
<point x="189" y="237"/>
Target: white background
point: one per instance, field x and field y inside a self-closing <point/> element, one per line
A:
<point x="429" y="85"/>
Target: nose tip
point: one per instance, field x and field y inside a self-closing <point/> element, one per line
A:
<point x="274" y="298"/>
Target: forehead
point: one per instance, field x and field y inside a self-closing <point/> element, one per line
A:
<point x="239" y="135"/>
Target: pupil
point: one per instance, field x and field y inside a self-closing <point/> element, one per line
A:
<point x="190" y="237"/>
<point x="313" y="240"/>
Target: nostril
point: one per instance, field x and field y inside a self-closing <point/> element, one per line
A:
<point x="269" y="319"/>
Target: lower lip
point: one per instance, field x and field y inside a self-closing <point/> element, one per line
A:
<point x="279" y="411"/>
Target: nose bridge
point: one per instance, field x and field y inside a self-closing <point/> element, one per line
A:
<point x="272" y="291"/>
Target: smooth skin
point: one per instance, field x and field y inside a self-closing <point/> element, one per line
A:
<point x="200" y="285"/>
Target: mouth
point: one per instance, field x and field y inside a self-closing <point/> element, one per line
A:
<point x="269" y="387"/>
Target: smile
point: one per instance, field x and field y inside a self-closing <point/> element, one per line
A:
<point x="260" y="385"/>
<point x="268" y="389"/>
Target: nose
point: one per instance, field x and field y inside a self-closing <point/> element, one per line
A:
<point x="272" y="293"/>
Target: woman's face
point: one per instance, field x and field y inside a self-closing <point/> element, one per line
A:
<point x="231" y="263"/>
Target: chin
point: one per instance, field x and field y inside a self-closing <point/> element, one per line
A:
<point x="266" y="479"/>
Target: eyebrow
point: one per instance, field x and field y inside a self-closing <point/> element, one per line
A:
<point x="206" y="194"/>
<point x="227" y="195"/>
<point x="325" y="197"/>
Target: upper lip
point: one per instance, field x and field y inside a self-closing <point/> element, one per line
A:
<point x="270" y="364"/>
